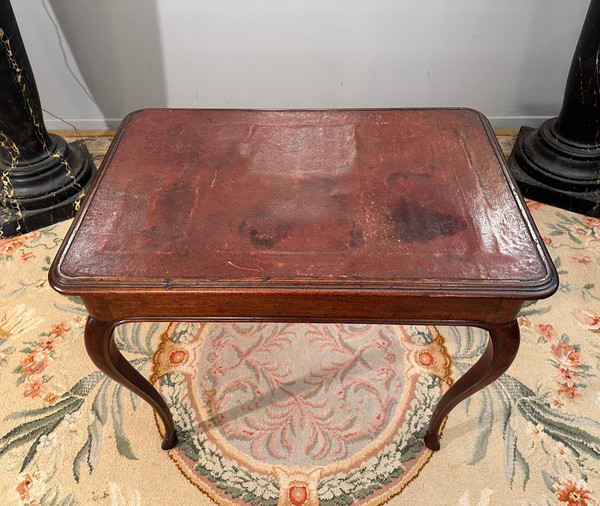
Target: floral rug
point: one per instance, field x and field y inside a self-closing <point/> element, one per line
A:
<point x="296" y="413"/>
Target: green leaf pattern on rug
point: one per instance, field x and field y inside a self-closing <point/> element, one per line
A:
<point x="508" y="396"/>
<point x="108" y="400"/>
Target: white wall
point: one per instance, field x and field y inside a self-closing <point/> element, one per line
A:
<point x="96" y="60"/>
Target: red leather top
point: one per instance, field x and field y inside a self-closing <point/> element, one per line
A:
<point x="335" y="197"/>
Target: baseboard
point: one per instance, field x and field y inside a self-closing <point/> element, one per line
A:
<point x="512" y="122"/>
<point x="82" y="124"/>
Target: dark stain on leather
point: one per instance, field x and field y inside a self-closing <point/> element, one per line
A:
<point x="419" y="223"/>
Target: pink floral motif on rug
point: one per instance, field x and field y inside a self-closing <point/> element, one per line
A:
<point x="295" y="413"/>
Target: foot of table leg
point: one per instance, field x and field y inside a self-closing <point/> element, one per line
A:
<point x="101" y="347"/>
<point x="432" y="441"/>
<point x="499" y="354"/>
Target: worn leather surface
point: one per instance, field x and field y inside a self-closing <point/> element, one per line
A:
<point x="343" y="197"/>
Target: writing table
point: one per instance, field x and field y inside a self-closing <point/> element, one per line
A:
<point x="372" y="216"/>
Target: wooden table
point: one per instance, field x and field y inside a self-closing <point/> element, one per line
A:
<point x="372" y="216"/>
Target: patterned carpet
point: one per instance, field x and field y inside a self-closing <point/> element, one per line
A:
<point x="300" y="414"/>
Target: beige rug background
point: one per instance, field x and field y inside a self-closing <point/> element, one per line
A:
<point x="42" y="357"/>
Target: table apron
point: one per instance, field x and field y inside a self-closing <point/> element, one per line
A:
<point x="299" y="307"/>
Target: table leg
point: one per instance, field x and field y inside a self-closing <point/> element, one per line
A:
<point x="499" y="354"/>
<point x="101" y="347"/>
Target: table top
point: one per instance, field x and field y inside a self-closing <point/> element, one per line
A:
<point x="412" y="200"/>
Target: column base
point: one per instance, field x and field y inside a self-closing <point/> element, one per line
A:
<point x="47" y="192"/>
<point x="545" y="175"/>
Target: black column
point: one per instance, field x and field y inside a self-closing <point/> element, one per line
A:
<point x="559" y="163"/>
<point x="42" y="178"/>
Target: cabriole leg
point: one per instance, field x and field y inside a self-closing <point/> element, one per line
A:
<point x="101" y="347"/>
<point x="500" y="352"/>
